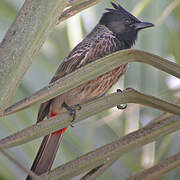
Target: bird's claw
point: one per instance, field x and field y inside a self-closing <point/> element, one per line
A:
<point x="73" y="113"/>
<point x="77" y="107"/>
<point x="119" y="90"/>
<point x="72" y="110"/>
<point x="124" y="106"/>
<point x="71" y="125"/>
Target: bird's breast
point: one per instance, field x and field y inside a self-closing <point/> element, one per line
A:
<point x="100" y="85"/>
<point x="88" y="91"/>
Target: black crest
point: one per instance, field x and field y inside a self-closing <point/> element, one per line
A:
<point x="119" y="10"/>
<point x="117" y="14"/>
<point x="123" y="24"/>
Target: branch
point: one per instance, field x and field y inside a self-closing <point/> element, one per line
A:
<point x="76" y="8"/>
<point x="94" y="173"/>
<point x="92" y="71"/>
<point x="21" y="44"/>
<point x="116" y="148"/>
<point x="96" y="106"/>
<point x="158" y="170"/>
<point x="32" y="174"/>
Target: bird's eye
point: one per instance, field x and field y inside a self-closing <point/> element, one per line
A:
<point x="127" y="21"/>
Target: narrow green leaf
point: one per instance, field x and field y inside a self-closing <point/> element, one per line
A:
<point x="22" y="42"/>
<point x="92" y="71"/>
<point x="49" y="125"/>
<point x="8" y="156"/>
<point x="158" y="170"/>
<point x="76" y="8"/>
<point x="119" y="147"/>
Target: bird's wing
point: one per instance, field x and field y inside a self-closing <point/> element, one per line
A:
<point x="85" y="52"/>
<point x="71" y="62"/>
<point x="68" y="65"/>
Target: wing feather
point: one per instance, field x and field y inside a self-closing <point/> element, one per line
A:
<point x="98" y="43"/>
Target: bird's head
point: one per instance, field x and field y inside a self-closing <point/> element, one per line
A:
<point x="123" y="24"/>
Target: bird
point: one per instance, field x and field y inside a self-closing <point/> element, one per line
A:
<point x="116" y="30"/>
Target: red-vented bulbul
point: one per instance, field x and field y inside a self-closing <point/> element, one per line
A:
<point x="116" y="30"/>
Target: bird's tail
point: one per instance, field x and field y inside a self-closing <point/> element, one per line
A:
<point x="47" y="153"/>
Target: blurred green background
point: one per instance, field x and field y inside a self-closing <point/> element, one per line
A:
<point x="162" y="40"/>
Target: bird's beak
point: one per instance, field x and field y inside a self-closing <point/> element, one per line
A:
<point x="142" y="25"/>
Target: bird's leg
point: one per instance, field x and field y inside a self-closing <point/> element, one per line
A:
<point x="124" y="106"/>
<point x="77" y="106"/>
<point x="72" y="110"/>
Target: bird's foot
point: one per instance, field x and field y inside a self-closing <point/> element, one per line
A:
<point x="72" y="110"/>
<point x="124" y="106"/>
<point x="77" y="107"/>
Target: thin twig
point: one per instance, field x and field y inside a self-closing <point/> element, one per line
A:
<point x="74" y="9"/>
<point x="32" y="174"/>
<point x="22" y="42"/>
<point x="98" y="171"/>
<point x="158" y="170"/>
<point x="116" y="148"/>
<point x="91" y="108"/>
<point x="94" y="173"/>
<point x="92" y="71"/>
